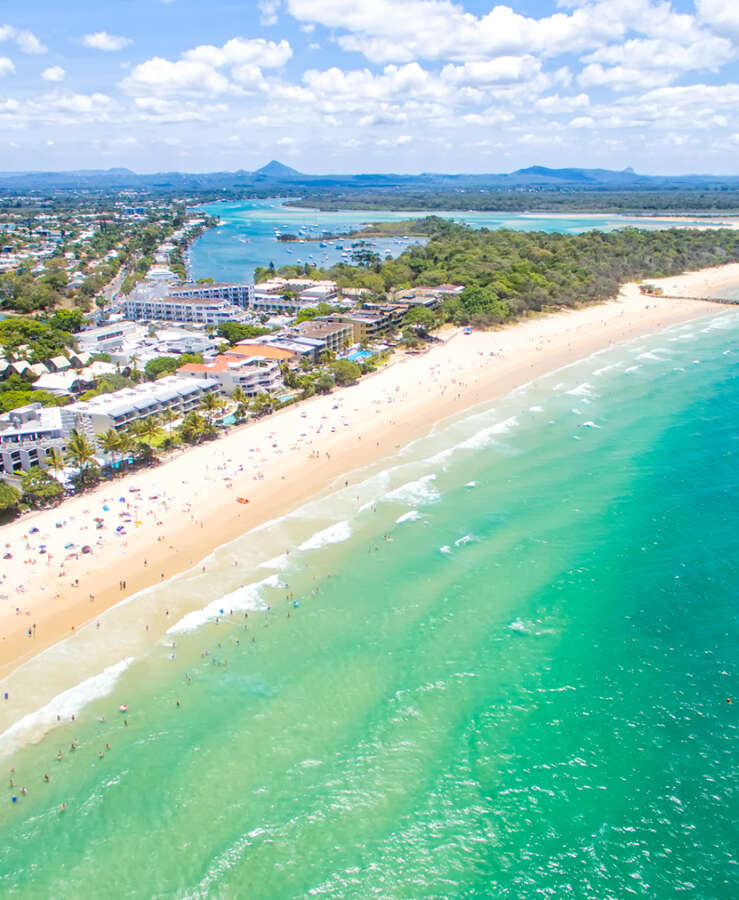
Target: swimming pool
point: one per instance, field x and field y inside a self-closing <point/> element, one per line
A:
<point x="359" y="355"/>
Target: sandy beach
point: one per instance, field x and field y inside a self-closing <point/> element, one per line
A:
<point x="161" y="521"/>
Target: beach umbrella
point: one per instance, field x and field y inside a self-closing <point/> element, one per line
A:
<point x="106" y="509"/>
<point x="121" y="499"/>
<point x="87" y="549"/>
<point x="34" y="530"/>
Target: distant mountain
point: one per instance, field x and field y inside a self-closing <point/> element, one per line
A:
<point x="276" y="178"/>
<point x="275" y="169"/>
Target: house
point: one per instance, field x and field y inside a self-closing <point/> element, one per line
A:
<point x="59" y="364"/>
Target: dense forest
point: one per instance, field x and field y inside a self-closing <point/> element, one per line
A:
<point x="706" y="202"/>
<point x="509" y="273"/>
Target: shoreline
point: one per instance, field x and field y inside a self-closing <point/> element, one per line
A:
<point x="282" y="461"/>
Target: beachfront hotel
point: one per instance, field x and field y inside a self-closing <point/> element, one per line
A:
<point x="121" y="408"/>
<point x="254" y="375"/>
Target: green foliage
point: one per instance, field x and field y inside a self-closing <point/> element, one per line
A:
<point x="510" y="273"/>
<point x="421" y="318"/>
<point x="44" y="339"/>
<point x="234" y="332"/>
<point x="39" y="488"/>
<point x="9" y="499"/>
<point x="324" y="383"/>
<point x="160" y="365"/>
<point x="71" y="320"/>
<point x="345" y="371"/>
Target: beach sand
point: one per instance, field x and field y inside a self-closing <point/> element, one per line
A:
<point x="175" y="514"/>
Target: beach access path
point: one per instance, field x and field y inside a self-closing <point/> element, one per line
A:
<point x="175" y="514"/>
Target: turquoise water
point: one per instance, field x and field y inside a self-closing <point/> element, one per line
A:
<point x="507" y="675"/>
<point x="246" y="237"/>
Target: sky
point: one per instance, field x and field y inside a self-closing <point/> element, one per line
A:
<point x="336" y="86"/>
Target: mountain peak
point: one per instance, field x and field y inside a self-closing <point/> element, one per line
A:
<point x="276" y="169"/>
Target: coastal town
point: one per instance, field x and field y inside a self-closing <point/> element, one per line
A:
<point x="131" y="359"/>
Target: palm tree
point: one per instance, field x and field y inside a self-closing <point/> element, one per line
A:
<point x="55" y="460"/>
<point x="109" y="442"/>
<point x="168" y="417"/>
<point x="240" y="398"/>
<point x="126" y="443"/>
<point x="209" y="403"/>
<point x="81" y="452"/>
<point x="149" y="428"/>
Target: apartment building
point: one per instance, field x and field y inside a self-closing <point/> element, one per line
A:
<point x="121" y="408"/>
<point x="195" y="310"/>
<point x="29" y="433"/>
<point x="252" y="374"/>
<point x="235" y="294"/>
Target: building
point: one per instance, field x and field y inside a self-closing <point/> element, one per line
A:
<point x="177" y="309"/>
<point x="373" y="320"/>
<point x="106" y="339"/>
<point x="262" y="350"/>
<point x="235" y="294"/>
<point x="121" y="408"/>
<point x="29" y="433"/>
<point x="335" y="335"/>
<point x="254" y="375"/>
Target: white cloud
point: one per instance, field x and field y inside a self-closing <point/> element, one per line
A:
<point x="721" y="15"/>
<point x="554" y="104"/>
<point x="623" y="78"/>
<point x="161" y="76"/>
<point x="54" y="73"/>
<point x="268" y="11"/>
<point x="385" y="30"/>
<point x="25" y="40"/>
<point x="493" y="71"/>
<point x="257" y="51"/>
<point x="101" y="40"/>
<point x="6" y="66"/>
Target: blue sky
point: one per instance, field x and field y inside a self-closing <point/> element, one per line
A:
<point x="370" y="85"/>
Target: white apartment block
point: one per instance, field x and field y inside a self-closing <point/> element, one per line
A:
<point x="236" y="294"/>
<point x="121" y="408"/>
<point x="29" y="433"/>
<point x="174" y="309"/>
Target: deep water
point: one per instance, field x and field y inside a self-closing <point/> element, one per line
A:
<point x="500" y="668"/>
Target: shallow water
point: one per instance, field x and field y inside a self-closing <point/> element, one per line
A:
<point x="246" y="238"/>
<point x="506" y="676"/>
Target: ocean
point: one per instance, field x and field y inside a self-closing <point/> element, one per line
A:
<point x="246" y="237"/>
<point x="497" y="664"/>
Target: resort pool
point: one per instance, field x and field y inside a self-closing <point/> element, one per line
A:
<point x="359" y="356"/>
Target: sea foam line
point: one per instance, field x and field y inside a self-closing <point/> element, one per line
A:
<point x="62" y="707"/>
<point x="247" y="596"/>
<point x="334" y="534"/>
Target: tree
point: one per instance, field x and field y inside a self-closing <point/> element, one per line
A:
<point x="261" y="405"/>
<point x="109" y="442"/>
<point x="345" y="371"/>
<point x="81" y="452"/>
<point x="168" y="417"/>
<point x="55" y="460"/>
<point x="421" y="318"/>
<point x="9" y="498"/>
<point x="324" y="383"/>
<point x="71" y="320"/>
<point x="39" y="488"/>
<point x="149" y="428"/>
<point x="194" y="428"/>
<point x="160" y="365"/>
<point x="209" y="403"/>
